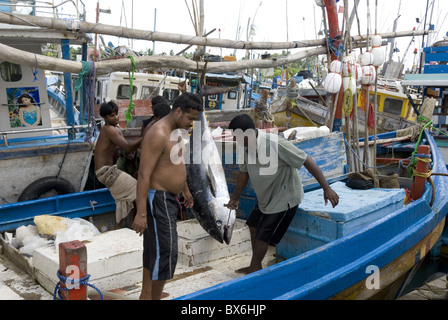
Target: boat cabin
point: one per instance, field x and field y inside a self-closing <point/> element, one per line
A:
<point x="38" y="158"/>
<point x="23" y="99"/>
<point x="231" y="100"/>
<point x="116" y="86"/>
<point x="395" y="111"/>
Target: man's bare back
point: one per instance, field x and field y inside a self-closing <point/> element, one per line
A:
<point x="166" y="175"/>
<point x="109" y="138"/>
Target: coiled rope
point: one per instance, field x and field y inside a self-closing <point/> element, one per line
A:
<point x="75" y="284"/>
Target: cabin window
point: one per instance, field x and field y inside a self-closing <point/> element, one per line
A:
<point x="393" y="106"/>
<point x="170" y="95"/>
<point x="124" y="91"/>
<point x="149" y="92"/>
<point x="98" y="89"/>
<point x="166" y="94"/>
<point x="212" y="97"/>
<point x="174" y="94"/>
<point x="11" y="72"/>
<point x="231" y="95"/>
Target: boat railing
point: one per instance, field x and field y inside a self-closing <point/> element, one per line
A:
<point x="4" y="134"/>
<point x="76" y="8"/>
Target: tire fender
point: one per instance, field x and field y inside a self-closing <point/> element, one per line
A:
<point x="43" y="185"/>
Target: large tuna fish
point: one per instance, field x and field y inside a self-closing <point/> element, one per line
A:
<point x="207" y="183"/>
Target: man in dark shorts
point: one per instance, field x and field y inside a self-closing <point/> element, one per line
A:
<point x="271" y="162"/>
<point x="160" y="236"/>
<point x="160" y="180"/>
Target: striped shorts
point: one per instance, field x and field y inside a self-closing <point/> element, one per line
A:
<point x="160" y="236"/>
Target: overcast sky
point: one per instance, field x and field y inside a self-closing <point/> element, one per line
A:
<point x="274" y="20"/>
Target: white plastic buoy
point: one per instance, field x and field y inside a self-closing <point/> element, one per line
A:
<point x="333" y="82"/>
<point x="349" y="83"/>
<point x="378" y="56"/>
<point x="354" y="55"/>
<point x="368" y="75"/>
<point x="348" y="65"/>
<point x="336" y="66"/>
<point x="358" y="73"/>
<point x="366" y="59"/>
<point x="376" y="40"/>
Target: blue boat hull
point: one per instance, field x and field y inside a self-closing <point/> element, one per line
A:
<point x="346" y="264"/>
<point x="341" y="269"/>
<point x="74" y="205"/>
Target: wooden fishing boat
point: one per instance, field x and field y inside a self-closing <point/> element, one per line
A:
<point x="337" y="249"/>
<point x="395" y="111"/>
<point x="368" y="247"/>
<point x="36" y="156"/>
<point x="433" y="82"/>
<point x="364" y="249"/>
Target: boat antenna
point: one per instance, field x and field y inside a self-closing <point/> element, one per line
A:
<point x="287" y="28"/>
<point x="392" y="41"/>
<point x="238" y="29"/>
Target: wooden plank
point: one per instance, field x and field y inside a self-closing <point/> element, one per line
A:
<point x="333" y="162"/>
<point x="382" y="141"/>
<point x="435" y="49"/>
<point x="329" y="153"/>
<point x="438" y="57"/>
<point x="436" y="69"/>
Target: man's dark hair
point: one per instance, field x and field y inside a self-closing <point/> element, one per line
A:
<point x="161" y="109"/>
<point x="187" y="101"/>
<point x="243" y="122"/>
<point x="107" y="108"/>
<point x="157" y="100"/>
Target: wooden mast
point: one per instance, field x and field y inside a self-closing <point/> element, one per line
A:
<point x="333" y="26"/>
<point x="87" y="27"/>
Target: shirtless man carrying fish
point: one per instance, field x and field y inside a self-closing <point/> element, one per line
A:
<point x="159" y="182"/>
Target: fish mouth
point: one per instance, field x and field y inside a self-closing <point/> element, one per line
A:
<point x="227" y="234"/>
<point x="223" y="222"/>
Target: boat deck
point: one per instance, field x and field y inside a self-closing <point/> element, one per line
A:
<point x="190" y="279"/>
<point x="207" y="263"/>
<point x="16" y="284"/>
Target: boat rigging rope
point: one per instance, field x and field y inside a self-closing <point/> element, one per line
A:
<point x="88" y="75"/>
<point x="90" y="88"/>
<point x="75" y="284"/>
<point x="34" y="70"/>
<point x="128" y="112"/>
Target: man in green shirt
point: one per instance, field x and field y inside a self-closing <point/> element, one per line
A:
<point x="271" y="162"/>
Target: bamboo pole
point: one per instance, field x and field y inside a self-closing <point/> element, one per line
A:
<point x="87" y="27"/>
<point x="366" y="126"/>
<point x="355" y="140"/>
<point x="17" y="56"/>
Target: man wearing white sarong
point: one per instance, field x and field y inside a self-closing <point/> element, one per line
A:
<point x="121" y="185"/>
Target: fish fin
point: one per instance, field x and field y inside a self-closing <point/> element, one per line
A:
<point x="212" y="180"/>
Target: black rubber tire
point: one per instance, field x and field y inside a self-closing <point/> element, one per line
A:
<point x="41" y="186"/>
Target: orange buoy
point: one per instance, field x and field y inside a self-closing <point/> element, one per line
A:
<point x="421" y="172"/>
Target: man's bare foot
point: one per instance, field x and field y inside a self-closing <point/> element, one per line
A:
<point x="164" y="295"/>
<point x="243" y="270"/>
<point x="247" y="270"/>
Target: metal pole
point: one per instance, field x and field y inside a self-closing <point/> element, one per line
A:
<point x="154" y="43"/>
